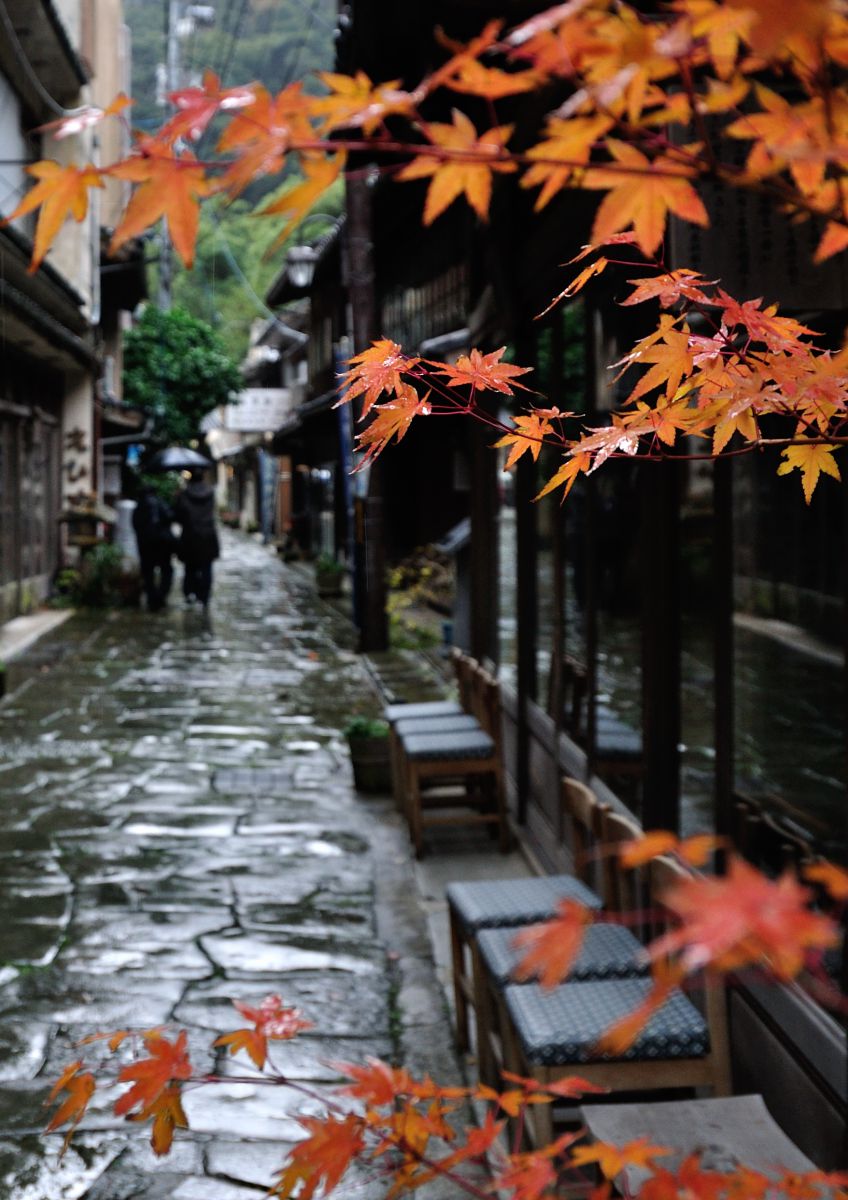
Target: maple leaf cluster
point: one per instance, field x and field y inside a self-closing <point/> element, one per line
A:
<point x="651" y="108"/>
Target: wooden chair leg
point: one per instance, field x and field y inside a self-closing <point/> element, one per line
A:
<point x="460" y="1001"/>
<point x="715" y="1009"/>
<point x="414" y="814"/>
<point x="396" y="761"/>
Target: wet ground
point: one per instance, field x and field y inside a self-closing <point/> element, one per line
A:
<point x="178" y="827"/>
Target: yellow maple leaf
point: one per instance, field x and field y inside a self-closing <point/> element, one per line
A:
<point x="811" y="460"/>
<point x="573" y="466"/>
<point x="464" y="169"/>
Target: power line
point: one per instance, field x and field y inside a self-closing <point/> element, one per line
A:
<point x="234" y="37"/>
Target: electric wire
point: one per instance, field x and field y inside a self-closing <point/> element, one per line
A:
<point x="233" y="41"/>
<point x="21" y="55"/>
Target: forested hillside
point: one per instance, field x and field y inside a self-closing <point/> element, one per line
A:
<point x="274" y="42"/>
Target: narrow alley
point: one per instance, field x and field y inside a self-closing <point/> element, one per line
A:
<point x="179" y="829"/>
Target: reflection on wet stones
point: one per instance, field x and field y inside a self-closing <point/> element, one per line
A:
<point x="192" y="807"/>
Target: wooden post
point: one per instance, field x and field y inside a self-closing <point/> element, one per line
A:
<point x="483" y="546"/>
<point x="661" y="645"/>
<point x="527" y="604"/>
<point x="723" y="689"/>
<point x="369" y="547"/>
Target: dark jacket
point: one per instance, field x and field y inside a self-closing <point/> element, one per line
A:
<point x="194" y="510"/>
<point x="152" y="524"/>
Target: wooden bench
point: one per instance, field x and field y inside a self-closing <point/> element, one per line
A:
<point x="727" y="1132"/>
<point x="551" y="1034"/>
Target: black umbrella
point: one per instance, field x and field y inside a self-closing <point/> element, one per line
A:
<point x="176" y="458"/>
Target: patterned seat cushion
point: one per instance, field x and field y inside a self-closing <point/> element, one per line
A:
<point x="489" y="904"/>
<point x="608" y="952"/>
<point x="456" y="722"/>
<point x="448" y="747"/>
<point x="563" y="1025"/>
<point x="427" y="708"/>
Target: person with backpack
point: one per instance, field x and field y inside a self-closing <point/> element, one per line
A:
<point x="152" y="524"/>
<point x="194" y="511"/>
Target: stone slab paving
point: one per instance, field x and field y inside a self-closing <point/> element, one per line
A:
<point x="178" y="827"/>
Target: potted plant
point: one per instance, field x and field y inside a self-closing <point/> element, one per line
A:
<point x="368" y="741"/>
<point x="329" y="573"/>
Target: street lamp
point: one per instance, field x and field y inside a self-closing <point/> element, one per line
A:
<point x="302" y="257"/>
<point x="300" y="265"/>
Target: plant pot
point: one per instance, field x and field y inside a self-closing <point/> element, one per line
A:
<point x="329" y="583"/>
<point x="371" y="767"/>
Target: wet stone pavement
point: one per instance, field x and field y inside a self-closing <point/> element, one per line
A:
<point x="178" y="827"/>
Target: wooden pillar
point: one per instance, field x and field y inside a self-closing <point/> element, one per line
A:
<point x="369" y="545"/>
<point x="558" y="549"/>
<point x="526" y="593"/>
<point x="591" y="600"/>
<point x="723" y="689"/>
<point x="661" y="645"/>
<point x="527" y="603"/>
<point x="484" y="545"/>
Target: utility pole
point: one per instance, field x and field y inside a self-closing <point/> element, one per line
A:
<point x="172" y="74"/>
<point x="177" y="26"/>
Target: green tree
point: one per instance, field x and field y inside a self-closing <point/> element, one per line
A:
<point x="177" y="369"/>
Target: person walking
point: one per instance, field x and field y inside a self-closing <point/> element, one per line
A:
<point x="152" y="524"/>
<point x="194" y="511"/>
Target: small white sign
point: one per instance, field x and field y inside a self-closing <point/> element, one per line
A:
<point x="259" y="410"/>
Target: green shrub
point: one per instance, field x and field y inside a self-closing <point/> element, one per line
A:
<point x="366" y="727"/>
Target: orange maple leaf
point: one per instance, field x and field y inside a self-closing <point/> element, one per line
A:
<point x="548" y="950"/>
<point x="833" y="241"/>
<point x="641" y="850"/>
<point x="196" y="106"/>
<point x="667" y="348"/>
<point x="261" y="134"/>
<point x="321" y="1159"/>
<point x="492" y="83"/>
<point x="482" y="372"/>
<point x="376" y="370"/>
<point x="391" y="420"/>
<point x="464" y="169"/>
<point x="744" y="918"/>
<point x="167" y="1063"/>
<point x="576" y="464"/>
<point x="642" y="192"/>
<point x="832" y="878"/>
<point x="530" y="433"/>
<point x="811" y="460"/>
<point x="320" y="174"/>
<point x="170" y="186"/>
<point x="80" y="1085"/>
<point x="168" y="1115"/>
<point x="272" y="1021"/>
<point x="578" y="283"/>
<point x="617" y="1039"/>
<point x="613" y="1159"/>
<point x="60" y="192"/>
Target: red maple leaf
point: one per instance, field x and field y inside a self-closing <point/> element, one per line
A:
<point x="376" y="370"/>
<point x="392" y="420"/>
<point x="150" y="1077"/>
<point x="322" y="1158"/>
<point x="271" y="1020"/>
<point x="378" y="1083"/>
<point x="196" y="106"/>
<point x="549" y="950"/>
<point x="744" y="918"/>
